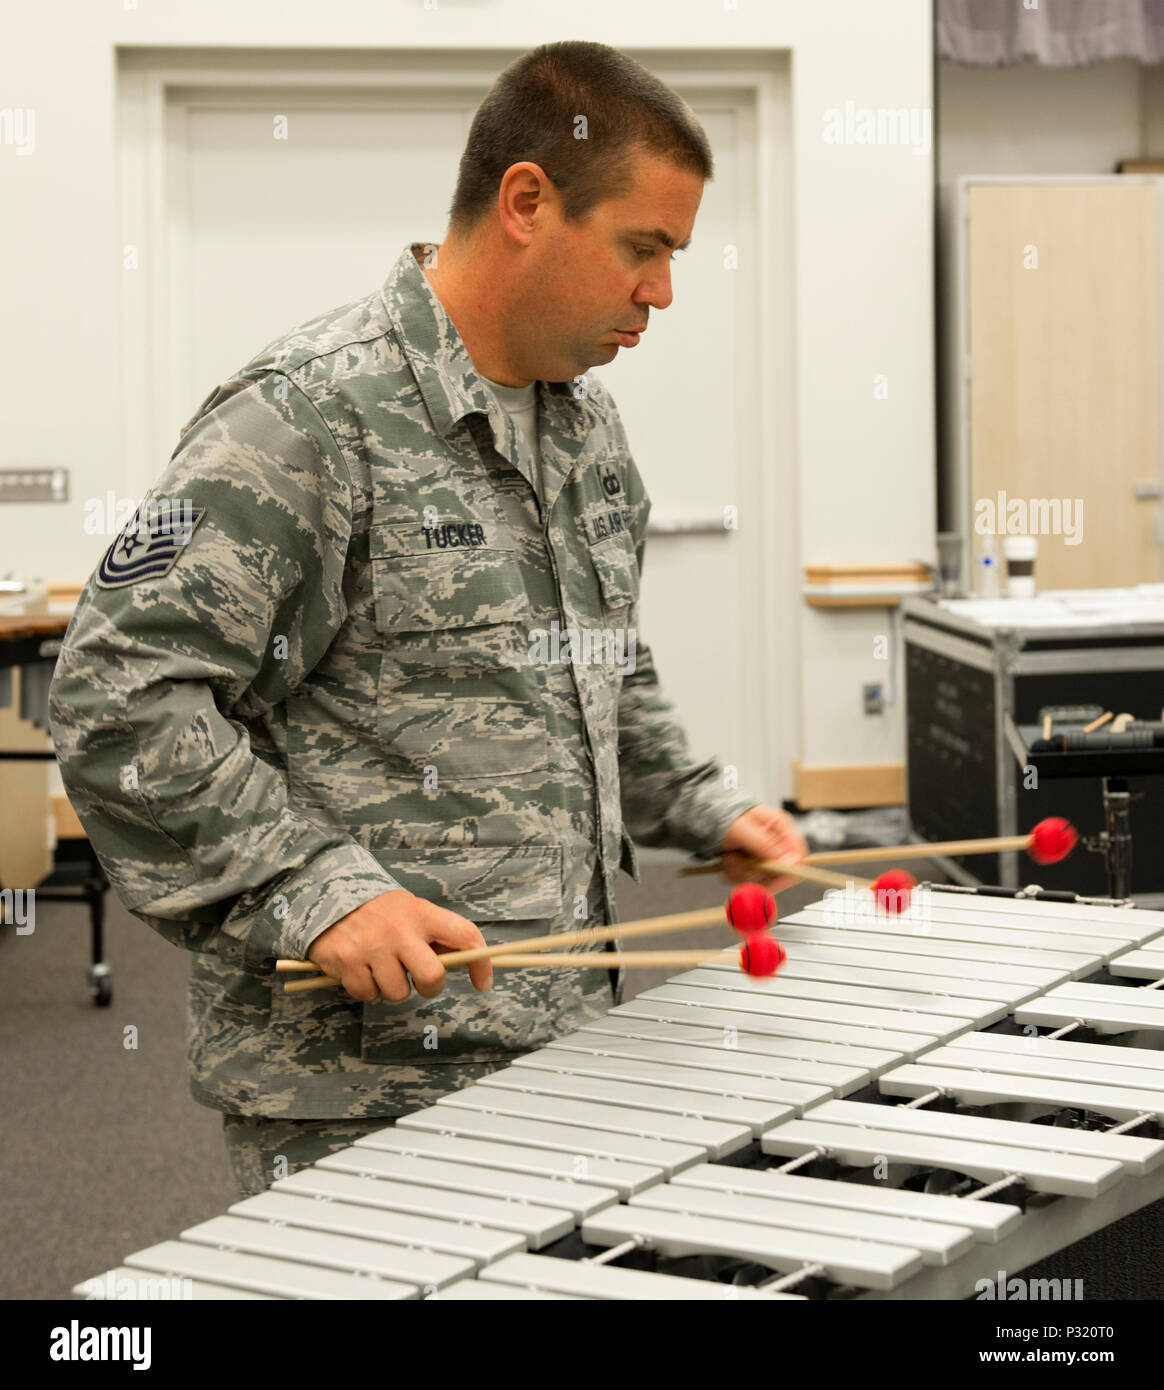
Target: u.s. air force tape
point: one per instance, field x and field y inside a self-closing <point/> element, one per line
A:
<point x="148" y="546"/>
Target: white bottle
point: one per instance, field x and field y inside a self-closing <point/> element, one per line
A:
<point x="1021" y="553"/>
<point x="988" y="579"/>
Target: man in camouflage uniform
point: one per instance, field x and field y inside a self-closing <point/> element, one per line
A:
<point x="313" y="702"/>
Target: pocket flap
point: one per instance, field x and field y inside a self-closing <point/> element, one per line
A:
<point x="419" y="590"/>
<point x="617" y="569"/>
<point x="485" y="883"/>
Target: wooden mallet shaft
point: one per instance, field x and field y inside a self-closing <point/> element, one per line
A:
<point x="979" y="846"/>
<point x="583" y="936"/>
<point x="804" y="869"/>
<point x="647" y="926"/>
<point x="580" y="960"/>
<point x="612" y="960"/>
<point x="992" y="845"/>
<point x="809" y="874"/>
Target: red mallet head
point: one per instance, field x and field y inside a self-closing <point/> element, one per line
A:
<point x="1051" y="840"/>
<point x="892" y="889"/>
<point x="750" y="908"/>
<point x="761" y="954"/>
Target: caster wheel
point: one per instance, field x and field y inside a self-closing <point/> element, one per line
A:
<point x="101" y="985"/>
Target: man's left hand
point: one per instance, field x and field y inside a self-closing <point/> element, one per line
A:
<point x="763" y="833"/>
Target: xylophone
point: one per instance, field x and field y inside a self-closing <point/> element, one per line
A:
<point x="882" y="1119"/>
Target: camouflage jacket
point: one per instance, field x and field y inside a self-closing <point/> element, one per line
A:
<point x="342" y="648"/>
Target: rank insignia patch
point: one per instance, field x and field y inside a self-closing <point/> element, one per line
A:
<point x="148" y="546"/>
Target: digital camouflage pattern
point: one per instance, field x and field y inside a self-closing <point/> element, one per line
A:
<point x="263" y="1150"/>
<point x="325" y="691"/>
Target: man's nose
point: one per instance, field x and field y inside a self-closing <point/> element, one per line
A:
<point x="656" y="291"/>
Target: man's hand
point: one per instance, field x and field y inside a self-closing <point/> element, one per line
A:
<point x="370" y="949"/>
<point x="764" y="833"/>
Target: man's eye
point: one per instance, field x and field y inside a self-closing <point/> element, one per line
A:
<point x="646" y="252"/>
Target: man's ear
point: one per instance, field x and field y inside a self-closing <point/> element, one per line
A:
<point x="522" y="196"/>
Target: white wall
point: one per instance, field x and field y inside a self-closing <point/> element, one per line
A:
<point x="862" y="272"/>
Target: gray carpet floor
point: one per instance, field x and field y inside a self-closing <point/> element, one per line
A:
<point x="102" y="1150"/>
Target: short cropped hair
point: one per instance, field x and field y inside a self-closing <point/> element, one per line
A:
<point x="532" y="113"/>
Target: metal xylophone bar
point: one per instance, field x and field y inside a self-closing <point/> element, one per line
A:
<point x="957" y="1139"/>
<point x="1091" y="1082"/>
<point x="642" y="1136"/>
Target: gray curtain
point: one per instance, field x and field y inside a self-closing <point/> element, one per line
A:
<point x="1057" y="33"/>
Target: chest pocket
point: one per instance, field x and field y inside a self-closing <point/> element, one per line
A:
<point x="457" y="698"/>
<point x="617" y="569"/>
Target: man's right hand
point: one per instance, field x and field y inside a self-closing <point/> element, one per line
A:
<point x="370" y="950"/>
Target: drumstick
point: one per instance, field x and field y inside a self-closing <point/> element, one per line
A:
<point x="799" y="870"/>
<point x="1051" y="840"/>
<point x="610" y="960"/>
<point x="809" y="874"/>
<point x="647" y="926"/>
<point x="583" y="936"/>
<point x="749" y="909"/>
<point x="588" y="960"/>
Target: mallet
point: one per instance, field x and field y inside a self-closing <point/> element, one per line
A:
<point x="1051" y="840"/>
<point x="749" y="908"/>
<point x="760" y="954"/>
